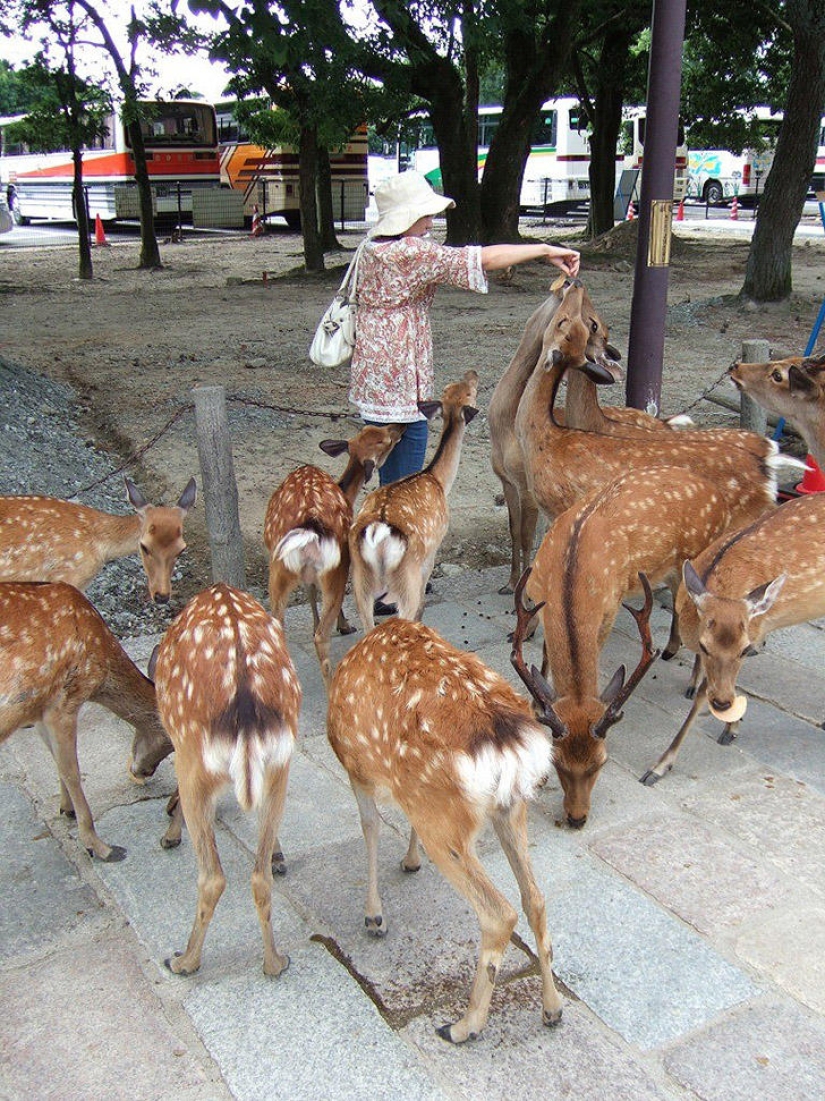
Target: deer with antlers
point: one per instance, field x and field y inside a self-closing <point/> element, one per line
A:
<point x="397" y="533"/>
<point x="793" y="388"/>
<point x="48" y="539"/>
<point x="229" y="699"/>
<point x="744" y="585"/>
<point x="58" y="654"/>
<point x="454" y="745"/>
<point x="306" y="531"/>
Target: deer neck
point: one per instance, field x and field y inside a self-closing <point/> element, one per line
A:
<point x="581" y="407"/>
<point x="540" y="398"/>
<point x="117" y="536"/>
<point x="127" y="692"/>
<point x="523" y="363"/>
<point x="352" y="479"/>
<point x="444" y="464"/>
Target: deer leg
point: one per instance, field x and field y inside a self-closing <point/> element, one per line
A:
<point x="271" y="814"/>
<point x="332" y="592"/>
<point x="453" y="852"/>
<point x="665" y="762"/>
<point x="281" y="585"/>
<point x="61" y="737"/>
<point x="197" y="796"/>
<point x="728" y="735"/>
<point x="362" y="591"/>
<point x="511" y="829"/>
<point x="512" y="500"/>
<point x="171" y="839"/>
<point x="370" y="825"/>
<point x="529" y="523"/>
<point x="412" y="857"/>
<point x="675" y="639"/>
<point x="312" y="592"/>
<point x="695" y="677"/>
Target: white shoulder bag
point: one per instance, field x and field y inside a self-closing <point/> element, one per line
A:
<point x="334" y="338"/>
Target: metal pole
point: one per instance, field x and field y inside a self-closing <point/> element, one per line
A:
<point x="647" y="313"/>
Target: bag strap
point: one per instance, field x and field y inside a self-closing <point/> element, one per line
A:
<point x="349" y="283"/>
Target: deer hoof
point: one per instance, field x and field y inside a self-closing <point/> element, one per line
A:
<point x="410" y="868"/>
<point x="375" y="926"/>
<point x="278" y="864"/>
<point x="176" y="967"/>
<point x="668" y="655"/>
<point x="278" y="968"/>
<point x="68" y="812"/>
<point x="690" y="692"/>
<point x="650" y="778"/>
<point x="169" y="842"/>
<point x="550" y="1017"/>
<point x="727" y="737"/>
<point x="446" y="1033"/>
<point x="114" y="856"/>
<point x="506" y="590"/>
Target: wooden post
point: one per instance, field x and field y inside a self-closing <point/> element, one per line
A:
<point x="752" y="415"/>
<point x="220" y="490"/>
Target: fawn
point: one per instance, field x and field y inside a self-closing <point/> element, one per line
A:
<point x="306" y="531"/>
<point x="396" y="535"/>
<point x="793" y="388"/>
<point x="454" y="746"/>
<point x="47" y="539"/>
<point x="57" y="655"/>
<point x="229" y="699"/>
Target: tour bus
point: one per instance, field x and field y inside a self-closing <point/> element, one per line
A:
<point x="717" y="174"/>
<point x="269" y="179"/>
<point x="181" y="153"/>
<point x="632" y="148"/>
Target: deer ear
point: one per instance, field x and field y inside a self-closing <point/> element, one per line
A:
<point x="760" y="600"/>
<point x="801" y="383"/>
<point x="614" y="687"/>
<point x="369" y="467"/>
<point x="153" y="661"/>
<point x="597" y="373"/>
<point x="693" y="583"/>
<point x="134" y="496"/>
<point x="429" y="408"/>
<point x="189" y="495"/>
<point x="469" y="411"/>
<point x="334" y="447"/>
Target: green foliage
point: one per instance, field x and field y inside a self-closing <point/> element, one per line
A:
<point x="64" y="111"/>
<point x="13" y="93"/>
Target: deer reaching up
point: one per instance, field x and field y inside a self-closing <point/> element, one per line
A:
<point x="57" y="655"/>
<point x="454" y="746"/>
<point x="306" y="531"/>
<point x="48" y="539"/>
<point x="740" y="588"/>
<point x="397" y="533"/>
<point x="793" y="388"/>
<point x="229" y="699"/>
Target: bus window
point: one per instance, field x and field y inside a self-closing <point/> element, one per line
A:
<point x="546" y="129"/>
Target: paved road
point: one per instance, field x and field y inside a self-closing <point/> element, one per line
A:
<point x="688" y="919"/>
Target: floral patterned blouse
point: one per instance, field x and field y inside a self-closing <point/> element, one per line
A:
<point x="392" y="365"/>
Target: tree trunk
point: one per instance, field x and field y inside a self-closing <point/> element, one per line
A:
<point x="149" y="251"/>
<point x="82" y="215"/>
<point x="327" y="202"/>
<point x="459" y="174"/>
<point x="606" y="123"/>
<point x="768" y="271"/>
<point x="307" y="175"/>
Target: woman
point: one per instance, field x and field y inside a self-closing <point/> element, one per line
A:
<point x="399" y="271"/>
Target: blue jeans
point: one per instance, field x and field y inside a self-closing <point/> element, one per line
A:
<point x="407" y="457"/>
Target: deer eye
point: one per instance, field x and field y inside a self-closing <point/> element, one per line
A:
<point x="776" y="376"/>
<point x="594" y="326"/>
<point x="144" y="550"/>
<point x="703" y="648"/>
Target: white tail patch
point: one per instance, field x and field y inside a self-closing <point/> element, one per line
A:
<point x="503" y="775"/>
<point x="381" y="548"/>
<point x="680" y="420"/>
<point x="300" y="548"/>
<point x="246" y="760"/>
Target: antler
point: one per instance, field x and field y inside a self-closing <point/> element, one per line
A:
<point x="613" y="712"/>
<point x="535" y="683"/>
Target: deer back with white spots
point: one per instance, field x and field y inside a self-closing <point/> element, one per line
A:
<point x="397" y="533"/>
<point x="450" y="741"/>
<point x="48" y="539"/>
<point x="58" y="654"/>
<point x="229" y="698"/>
<point x="306" y="531"/>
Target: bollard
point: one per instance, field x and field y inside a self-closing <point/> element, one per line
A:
<point x="752" y="415"/>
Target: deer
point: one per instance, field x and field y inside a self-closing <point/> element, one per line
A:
<point x="563" y="464"/>
<point x="306" y="531"/>
<point x="396" y="535"/>
<point x="744" y="585"/>
<point x="49" y="539"/>
<point x="59" y="654"/>
<point x="454" y="746"/>
<point x="793" y="388"/>
<point x="228" y="697"/>
<point x="643" y="524"/>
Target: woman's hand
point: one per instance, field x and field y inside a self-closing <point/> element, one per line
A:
<point x="565" y="259"/>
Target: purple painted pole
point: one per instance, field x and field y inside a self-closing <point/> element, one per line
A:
<point x="649" y="306"/>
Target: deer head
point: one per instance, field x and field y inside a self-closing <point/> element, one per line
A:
<point x="160" y="538"/>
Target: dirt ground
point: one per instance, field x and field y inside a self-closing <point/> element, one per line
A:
<point x="240" y="312"/>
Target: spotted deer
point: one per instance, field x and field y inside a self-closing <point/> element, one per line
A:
<point x="58" y="654"/>
<point x="455" y="747"/>
<point x="793" y="388"/>
<point x="396" y="535"/>
<point x="306" y="531"/>
<point x="563" y="464"/>
<point x="48" y="539"/>
<point x="229" y="699"/>
<point x="744" y="585"/>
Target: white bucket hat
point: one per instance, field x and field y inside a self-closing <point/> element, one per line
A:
<point x="402" y="200"/>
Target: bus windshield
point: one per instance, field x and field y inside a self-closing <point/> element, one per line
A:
<point x="178" y="123"/>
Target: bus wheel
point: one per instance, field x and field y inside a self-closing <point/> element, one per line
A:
<point x="293" y="219"/>
<point x="713" y="192"/>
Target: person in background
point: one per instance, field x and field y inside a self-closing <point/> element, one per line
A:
<point x="399" y="270"/>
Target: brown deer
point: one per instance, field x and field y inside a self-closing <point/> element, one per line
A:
<point x="58" y="654"/>
<point x="396" y="535"/>
<point x="48" y="539"/>
<point x="454" y="746"/>
<point x="793" y="388"/>
<point x="229" y="699"/>
<point x="740" y="588"/>
<point x="563" y="464"/>
<point x="306" y="531"/>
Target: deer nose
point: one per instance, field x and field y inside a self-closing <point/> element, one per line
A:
<point x="161" y="598"/>
<point x="721" y="705"/>
<point x="576" y="823"/>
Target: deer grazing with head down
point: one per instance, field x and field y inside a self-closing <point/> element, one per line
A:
<point x="48" y="539"/>
<point x="642" y="524"/>
<point x="396" y="535"/>
<point x="58" y="654"/>
<point x="229" y="699"/>
<point x="793" y="388"/>
<point x="744" y="585"/>
<point x="454" y="746"/>
<point x="306" y="531"/>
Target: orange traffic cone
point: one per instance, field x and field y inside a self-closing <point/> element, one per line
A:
<point x="734" y="209"/>
<point x="631" y="211"/>
<point x="680" y="213"/>
<point x="100" y="236"/>
<point x="257" y="223"/>
<point x="813" y="481"/>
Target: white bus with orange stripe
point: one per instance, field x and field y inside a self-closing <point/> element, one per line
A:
<point x="181" y="152"/>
